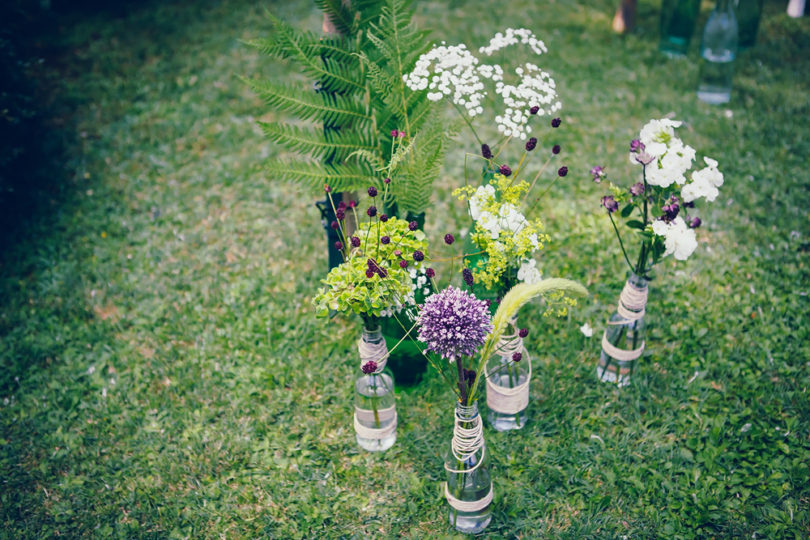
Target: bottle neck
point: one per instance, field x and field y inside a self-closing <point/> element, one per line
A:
<point x="467" y="413"/>
<point x="372" y="335"/>
<point x="636" y="281"/>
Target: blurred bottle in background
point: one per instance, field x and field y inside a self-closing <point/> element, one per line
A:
<point x="748" y="15"/>
<point x="718" y="50"/>
<point x="677" y="25"/>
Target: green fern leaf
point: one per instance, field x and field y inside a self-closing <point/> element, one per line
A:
<point x="316" y="142"/>
<point x="314" y="175"/>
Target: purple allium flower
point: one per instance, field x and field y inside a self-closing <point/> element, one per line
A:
<point x="413" y="225"/>
<point x="334" y="225"/>
<point x="369" y="273"/>
<point x="637" y="189"/>
<point x="403" y="263"/>
<point x="534" y="110"/>
<point x="517" y="357"/>
<point x="486" y="152"/>
<point x="695" y="222"/>
<point x="372" y="191"/>
<point x="372" y="211"/>
<point x="598" y="173"/>
<point x="610" y="203"/>
<point x="385" y="240"/>
<point x="555" y="149"/>
<point x="505" y="170"/>
<point x="369" y="367"/>
<point x="468" y="277"/>
<point x="326" y="188"/>
<point x="523" y="332"/>
<point x="418" y="256"/>
<point x="454" y="323"/>
<point x="339" y="245"/>
<point x="383" y="217"/>
<point x="352" y="204"/>
<point x="636" y="146"/>
<point x="340" y="214"/>
<point x="430" y="272"/>
<point x="449" y="239"/>
<point x="562" y="171"/>
<point x="556" y="123"/>
<point x="387" y="181"/>
<point x="531" y="144"/>
<point x="355" y="241"/>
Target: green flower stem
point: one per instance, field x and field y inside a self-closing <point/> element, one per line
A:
<point x="467" y="121"/>
<point x="341" y="235"/>
<point x="621" y="244"/>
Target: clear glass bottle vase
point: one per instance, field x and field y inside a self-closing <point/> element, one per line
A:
<point x="469" y="486"/>
<point x="623" y="340"/>
<point x="375" y="414"/>
<point x="507" y="383"/>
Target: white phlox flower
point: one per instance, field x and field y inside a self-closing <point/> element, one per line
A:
<point x="490" y="223"/>
<point x="704" y="183"/>
<point x="528" y="272"/>
<point x="656" y="135"/>
<point x="511" y="219"/>
<point x="679" y="239"/>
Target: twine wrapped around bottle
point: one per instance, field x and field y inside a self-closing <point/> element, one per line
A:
<point x="632" y="304"/>
<point x="504" y="399"/>
<point x="378" y="353"/>
<point x="467" y="443"/>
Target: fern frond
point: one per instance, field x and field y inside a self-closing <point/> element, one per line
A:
<point x="342" y="177"/>
<point x="339" y="14"/>
<point x="372" y="158"/>
<point x="316" y="142"/>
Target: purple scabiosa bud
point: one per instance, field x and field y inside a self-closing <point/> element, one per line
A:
<point x="637" y="189"/>
<point x="598" y="173"/>
<point x="644" y="158"/>
<point x="369" y="367"/>
<point x="369" y="273"/>
<point x="403" y="263"/>
<point x="695" y="222"/>
<point x="531" y="144"/>
<point x="468" y="277"/>
<point x="505" y="170"/>
<point x="517" y="357"/>
<point x="413" y="225"/>
<point x="534" y="110"/>
<point x="355" y="241"/>
<point x="562" y="171"/>
<point x="372" y="211"/>
<point x="449" y="239"/>
<point x="555" y="149"/>
<point x="341" y="205"/>
<point x="334" y="225"/>
<point x="670" y="212"/>
<point x="385" y="240"/>
<point x="556" y="123"/>
<point x="326" y="188"/>
<point x="430" y="273"/>
<point x="690" y="204"/>
<point x="339" y="245"/>
<point x="636" y="146"/>
<point x="486" y="152"/>
<point x="387" y="181"/>
<point x="382" y="272"/>
<point x="383" y="217"/>
<point x="372" y="191"/>
<point x="394" y="133"/>
<point x="340" y="214"/>
<point x="352" y="204"/>
<point x="397" y="252"/>
<point x="523" y="332"/>
<point x="610" y="203"/>
<point x="418" y="256"/>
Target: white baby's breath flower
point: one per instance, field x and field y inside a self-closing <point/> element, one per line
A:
<point x="586" y="330"/>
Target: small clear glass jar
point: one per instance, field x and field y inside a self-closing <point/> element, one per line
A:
<point x="375" y="414"/>
<point x="623" y="340"/>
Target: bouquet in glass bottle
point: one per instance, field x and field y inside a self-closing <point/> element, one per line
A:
<point x="656" y="212"/>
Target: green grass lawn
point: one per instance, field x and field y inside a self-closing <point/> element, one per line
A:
<point x="164" y="376"/>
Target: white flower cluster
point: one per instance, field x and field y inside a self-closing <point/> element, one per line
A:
<point x="418" y="279"/>
<point x="670" y="157"/>
<point x="536" y="89"/>
<point x="513" y="37"/>
<point x="528" y="272"/>
<point x="508" y="218"/>
<point x="679" y="239"/>
<point x="704" y="183"/>
<point x="453" y="71"/>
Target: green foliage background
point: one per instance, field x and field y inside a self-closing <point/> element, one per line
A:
<point x="164" y="376"/>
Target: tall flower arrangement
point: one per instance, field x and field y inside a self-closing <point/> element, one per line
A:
<point x="656" y="212"/>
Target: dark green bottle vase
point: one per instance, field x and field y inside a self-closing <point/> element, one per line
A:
<point x="678" y="19"/>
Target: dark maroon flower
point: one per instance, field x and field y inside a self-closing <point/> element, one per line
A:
<point x="637" y="189"/>
<point x="469" y="376"/>
<point x="372" y="211"/>
<point x="403" y="263"/>
<point x="562" y="171"/>
<point x="334" y="225"/>
<point x="369" y="367"/>
<point x="670" y="212"/>
<point x="556" y="123"/>
<point x="555" y="149"/>
<point x="695" y="222"/>
<point x="413" y="225"/>
<point x="610" y="203"/>
<point x="340" y="214"/>
<point x="387" y="181"/>
<point x="468" y="277"/>
<point x="531" y="144"/>
<point x="383" y="217"/>
<point x="326" y="188"/>
<point x="395" y="133"/>
<point x="505" y="170"/>
<point x="352" y="204"/>
<point x="523" y="332"/>
<point x="385" y="240"/>
<point x="383" y="273"/>
<point x="486" y="152"/>
<point x="517" y="357"/>
<point x="372" y="191"/>
<point x="341" y="205"/>
<point x="449" y="239"/>
<point x="534" y="110"/>
<point x="430" y="273"/>
<point x="369" y="273"/>
<point x="418" y="256"/>
<point x="690" y="204"/>
<point x="355" y="241"/>
<point x="339" y="245"/>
